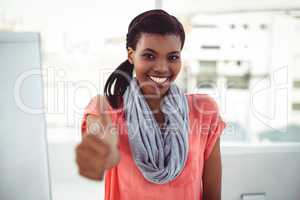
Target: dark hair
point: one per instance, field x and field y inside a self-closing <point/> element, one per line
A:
<point x="153" y="21"/>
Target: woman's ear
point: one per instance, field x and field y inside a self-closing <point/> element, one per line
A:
<point x="130" y="54"/>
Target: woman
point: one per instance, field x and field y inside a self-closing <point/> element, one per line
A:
<point x="167" y="143"/>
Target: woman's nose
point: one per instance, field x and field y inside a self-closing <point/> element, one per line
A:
<point x="162" y="68"/>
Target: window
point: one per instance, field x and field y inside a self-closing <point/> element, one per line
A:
<point x="246" y="66"/>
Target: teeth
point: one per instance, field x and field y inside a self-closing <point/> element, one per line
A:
<point x="158" y="80"/>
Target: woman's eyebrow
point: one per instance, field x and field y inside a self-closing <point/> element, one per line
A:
<point x="153" y="51"/>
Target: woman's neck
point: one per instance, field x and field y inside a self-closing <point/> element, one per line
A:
<point x="159" y="116"/>
<point x="154" y="104"/>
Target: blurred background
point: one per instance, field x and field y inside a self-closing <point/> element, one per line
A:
<point x="245" y="54"/>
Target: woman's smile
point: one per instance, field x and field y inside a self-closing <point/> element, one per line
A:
<point x="159" y="81"/>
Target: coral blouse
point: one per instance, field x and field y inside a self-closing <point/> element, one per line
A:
<point x="125" y="182"/>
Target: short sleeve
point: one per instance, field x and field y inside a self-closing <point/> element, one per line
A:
<point x="217" y="126"/>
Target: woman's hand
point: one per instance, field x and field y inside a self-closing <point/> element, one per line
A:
<point x="98" y="149"/>
<point x="93" y="157"/>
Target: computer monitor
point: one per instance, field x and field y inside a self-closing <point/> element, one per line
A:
<point x="24" y="171"/>
<point x="261" y="172"/>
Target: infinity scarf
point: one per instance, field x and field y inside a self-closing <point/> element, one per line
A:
<point x="160" y="156"/>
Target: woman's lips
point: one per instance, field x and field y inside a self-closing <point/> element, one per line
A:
<point x="160" y="81"/>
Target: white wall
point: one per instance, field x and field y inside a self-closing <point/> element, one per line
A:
<point x="66" y="183"/>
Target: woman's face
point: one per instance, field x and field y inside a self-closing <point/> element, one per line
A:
<point x="157" y="62"/>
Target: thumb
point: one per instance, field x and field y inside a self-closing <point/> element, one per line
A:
<point x="102" y="125"/>
<point x="108" y="133"/>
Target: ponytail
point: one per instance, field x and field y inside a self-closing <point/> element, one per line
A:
<point x="122" y="77"/>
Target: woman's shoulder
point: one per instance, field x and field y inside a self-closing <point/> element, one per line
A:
<point x="202" y="103"/>
<point x="100" y="104"/>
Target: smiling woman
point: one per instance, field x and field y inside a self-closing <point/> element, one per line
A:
<point x="167" y="142"/>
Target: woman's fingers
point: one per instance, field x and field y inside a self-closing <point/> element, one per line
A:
<point x="91" y="163"/>
<point x="103" y="128"/>
<point x="101" y="125"/>
<point x="86" y="164"/>
<point x="105" y="108"/>
<point x="103" y="105"/>
<point x="92" y="175"/>
<point x="95" y="144"/>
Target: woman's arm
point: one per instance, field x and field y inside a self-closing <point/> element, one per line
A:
<point x="212" y="175"/>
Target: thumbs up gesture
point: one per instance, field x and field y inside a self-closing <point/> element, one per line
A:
<point x="98" y="149"/>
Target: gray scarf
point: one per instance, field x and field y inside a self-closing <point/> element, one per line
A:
<point x="159" y="156"/>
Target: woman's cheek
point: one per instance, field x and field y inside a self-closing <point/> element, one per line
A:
<point x="176" y="70"/>
<point x="142" y="68"/>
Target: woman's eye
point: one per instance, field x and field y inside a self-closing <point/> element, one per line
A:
<point x="148" y="56"/>
<point x="174" y="57"/>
